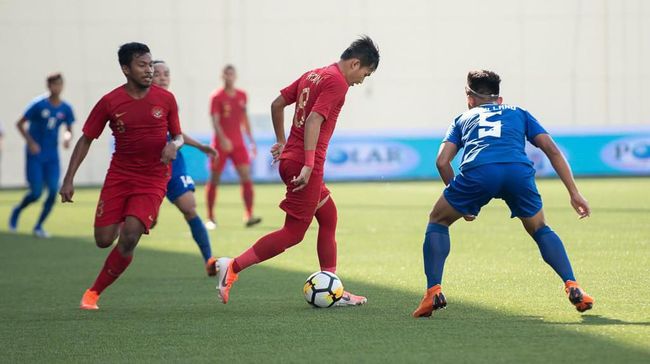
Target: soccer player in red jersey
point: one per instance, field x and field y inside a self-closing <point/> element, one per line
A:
<point x="228" y="111"/>
<point x="319" y="96"/>
<point x="140" y="115"/>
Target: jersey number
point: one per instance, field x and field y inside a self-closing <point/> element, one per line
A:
<point x="187" y="181"/>
<point x="51" y="122"/>
<point x="489" y="128"/>
<point x="299" y="119"/>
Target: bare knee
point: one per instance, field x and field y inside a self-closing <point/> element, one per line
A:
<point x="104" y="241"/>
<point x="128" y="241"/>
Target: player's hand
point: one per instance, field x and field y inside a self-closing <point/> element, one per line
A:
<point x="34" y="148"/>
<point x="66" y="143"/>
<point x="253" y="149"/>
<point x="301" y="181"/>
<point x="226" y="145"/>
<point x="276" y="151"/>
<point x="66" y="192"/>
<point x="168" y="153"/>
<point x="208" y="150"/>
<point x="580" y="205"/>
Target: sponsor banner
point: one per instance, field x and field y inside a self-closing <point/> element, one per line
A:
<point x="408" y="157"/>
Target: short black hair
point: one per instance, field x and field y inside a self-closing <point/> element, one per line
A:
<point x="53" y="77"/>
<point x="229" y="67"/>
<point x="365" y="50"/>
<point x="484" y="83"/>
<point x="158" y="61"/>
<point x="128" y="51"/>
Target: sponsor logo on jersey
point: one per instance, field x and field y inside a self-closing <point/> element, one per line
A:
<point x="631" y="154"/>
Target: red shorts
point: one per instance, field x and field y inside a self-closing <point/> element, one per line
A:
<point x="301" y="204"/>
<point x="119" y="199"/>
<point x="238" y="155"/>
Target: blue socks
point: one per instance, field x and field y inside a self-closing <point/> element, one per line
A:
<point x="553" y="252"/>
<point x="200" y="235"/>
<point x="435" y="250"/>
<point x="47" y="208"/>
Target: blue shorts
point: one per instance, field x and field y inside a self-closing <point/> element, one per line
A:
<point x="41" y="172"/>
<point x="512" y="182"/>
<point x="180" y="182"/>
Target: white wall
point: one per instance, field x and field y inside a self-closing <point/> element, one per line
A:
<point x="571" y="62"/>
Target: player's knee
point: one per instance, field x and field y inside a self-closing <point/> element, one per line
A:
<point x="103" y="241"/>
<point x="128" y="241"/>
<point x="35" y="192"/>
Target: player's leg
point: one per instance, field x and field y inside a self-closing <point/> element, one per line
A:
<point x="299" y="207"/>
<point x="186" y="204"/>
<point x="51" y="174"/>
<point x="327" y="217"/>
<point x="216" y="168"/>
<point x="525" y="203"/>
<point x="464" y="196"/>
<point x="34" y="174"/>
<point x="241" y="160"/>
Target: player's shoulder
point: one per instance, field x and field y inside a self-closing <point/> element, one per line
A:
<point x="217" y="93"/>
<point x="116" y="93"/>
<point x="37" y="101"/>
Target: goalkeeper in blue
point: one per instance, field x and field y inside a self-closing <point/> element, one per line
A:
<point x="494" y="165"/>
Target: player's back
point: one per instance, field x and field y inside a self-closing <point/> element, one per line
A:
<point x="493" y="133"/>
<point x="321" y="90"/>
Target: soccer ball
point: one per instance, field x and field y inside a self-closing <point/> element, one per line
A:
<point x="323" y="289"/>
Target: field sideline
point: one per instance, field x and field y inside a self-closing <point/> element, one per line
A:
<point x="505" y="303"/>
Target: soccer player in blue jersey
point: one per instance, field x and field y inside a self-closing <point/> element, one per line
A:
<point x="180" y="189"/>
<point x="494" y="165"/>
<point x="45" y="115"/>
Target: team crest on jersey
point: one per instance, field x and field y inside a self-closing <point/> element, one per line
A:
<point x="60" y="115"/>
<point x="157" y="112"/>
<point x="45" y="113"/>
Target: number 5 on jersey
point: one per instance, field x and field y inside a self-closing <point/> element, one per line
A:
<point x="489" y="128"/>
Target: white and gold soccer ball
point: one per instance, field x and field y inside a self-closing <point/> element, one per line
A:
<point x="323" y="289"/>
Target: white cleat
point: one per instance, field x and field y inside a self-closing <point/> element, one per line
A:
<point x="225" y="279"/>
<point x="210" y="225"/>
<point x="40" y="233"/>
<point x="350" y="299"/>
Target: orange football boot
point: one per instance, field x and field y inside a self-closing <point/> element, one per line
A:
<point x="578" y="296"/>
<point x="225" y="278"/>
<point x="89" y="300"/>
<point x="433" y="300"/>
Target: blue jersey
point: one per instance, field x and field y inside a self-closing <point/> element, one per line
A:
<point x="44" y="122"/>
<point x="493" y="133"/>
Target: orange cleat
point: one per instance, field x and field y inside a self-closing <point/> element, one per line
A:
<point x="211" y="267"/>
<point x="89" y="300"/>
<point x="433" y="300"/>
<point x="225" y="277"/>
<point x="578" y="296"/>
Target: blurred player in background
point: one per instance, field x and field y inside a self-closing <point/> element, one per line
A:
<point x="45" y="115"/>
<point x="495" y="165"/>
<point x="140" y="116"/>
<point x="180" y="189"/>
<point x="319" y="96"/>
<point x="229" y="117"/>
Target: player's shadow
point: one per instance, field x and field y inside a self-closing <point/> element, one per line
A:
<point x="599" y="320"/>
<point x="164" y="308"/>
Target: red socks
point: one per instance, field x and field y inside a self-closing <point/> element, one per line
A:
<point x="211" y="196"/>
<point x="115" y="264"/>
<point x="326" y="246"/>
<point x="247" y="195"/>
<point x="272" y="244"/>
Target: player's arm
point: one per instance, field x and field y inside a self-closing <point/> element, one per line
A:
<point x="218" y="131"/>
<point x="249" y="133"/>
<point x="170" y="150"/>
<point x="277" y="117"/>
<point x="32" y="145"/>
<point x="547" y="145"/>
<point x="78" y="155"/>
<point x="67" y="136"/>
<point x="446" y="154"/>
<point x="312" y="131"/>
<point x="205" y="148"/>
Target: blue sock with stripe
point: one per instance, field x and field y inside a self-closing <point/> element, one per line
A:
<point x="200" y="235"/>
<point x="435" y="251"/>
<point x="553" y="252"/>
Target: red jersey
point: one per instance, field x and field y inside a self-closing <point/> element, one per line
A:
<point x="140" y="128"/>
<point x="322" y="91"/>
<point x="231" y="111"/>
